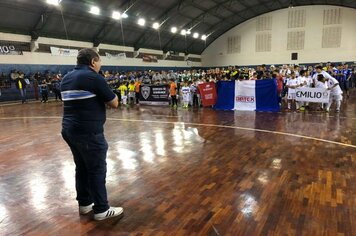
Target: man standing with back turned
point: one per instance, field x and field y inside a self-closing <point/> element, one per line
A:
<point x="85" y="93"/>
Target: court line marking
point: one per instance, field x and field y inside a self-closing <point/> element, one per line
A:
<point x="167" y="116"/>
<point x="237" y="127"/>
<point x="196" y="124"/>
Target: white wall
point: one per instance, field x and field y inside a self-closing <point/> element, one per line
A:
<point x="47" y="59"/>
<point x="216" y="53"/>
<point x="64" y="43"/>
<point x="15" y="37"/>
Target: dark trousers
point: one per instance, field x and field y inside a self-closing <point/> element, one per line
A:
<point x="23" y="95"/>
<point x="36" y="91"/>
<point x="195" y="102"/>
<point x="57" y="94"/>
<point x="137" y="97"/>
<point x="174" y="100"/>
<point x="89" y="153"/>
<point x="44" y="96"/>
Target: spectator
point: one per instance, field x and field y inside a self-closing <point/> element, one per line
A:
<point x="254" y="76"/>
<point x="44" y="91"/>
<point x="156" y="77"/>
<point x="56" y="82"/>
<point x="353" y="78"/>
<point x="21" y="86"/>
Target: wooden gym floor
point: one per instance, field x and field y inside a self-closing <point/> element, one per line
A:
<point x="185" y="172"/>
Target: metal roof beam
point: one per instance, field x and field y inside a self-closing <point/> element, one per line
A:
<point x="145" y="36"/>
<point x="106" y="27"/>
<point x="174" y="8"/>
<point x="237" y="14"/>
<point x="40" y="23"/>
<point x="197" y="19"/>
<point x="217" y="24"/>
<point x="213" y="13"/>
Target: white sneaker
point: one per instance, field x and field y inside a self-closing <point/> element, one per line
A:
<point x="85" y="209"/>
<point x="112" y="212"/>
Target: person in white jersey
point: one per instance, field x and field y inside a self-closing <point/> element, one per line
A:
<point x="185" y="92"/>
<point x="321" y="84"/>
<point x="335" y="93"/>
<point x="292" y="84"/>
<point x="303" y="81"/>
<point x="319" y="70"/>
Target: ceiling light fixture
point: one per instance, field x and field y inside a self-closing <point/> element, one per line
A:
<point x="95" y="10"/>
<point x="124" y="15"/>
<point x="155" y="25"/>
<point x="174" y="30"/>
<point x="54" y="2"/>
<point x="203" y="37"/>
<point x="141" y="22"/>
<point x="290" y="4"/>
<point x="195" y="35"/>
<point x="183" y="32"/>
<point x="116" y="15"/>
<point x="189" y="32"/>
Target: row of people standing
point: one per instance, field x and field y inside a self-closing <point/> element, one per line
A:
<point x="128" y="92"/>
<point x="188" y="91"/>
<point x="42" y="87"/>
<point x="321" y="79"/>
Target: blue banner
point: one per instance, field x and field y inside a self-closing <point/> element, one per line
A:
<point x="226" y="95"/>
<point x="266" y="95"/>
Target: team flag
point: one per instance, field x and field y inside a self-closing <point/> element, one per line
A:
<point x="250" y="95"/>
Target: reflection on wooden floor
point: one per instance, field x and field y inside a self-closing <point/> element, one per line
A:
<point x="175" y="177"/>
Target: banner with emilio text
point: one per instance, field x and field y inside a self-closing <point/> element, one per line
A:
<point x="64" y="52"/>
<point x="318" y="95"/>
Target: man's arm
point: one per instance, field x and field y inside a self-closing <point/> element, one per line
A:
<point x="105" y="94"/>
<point x="327" y="75"/>
<point x="335" y="83"/>
<point x="113" y="103"/>
<point x="330" y="88"/>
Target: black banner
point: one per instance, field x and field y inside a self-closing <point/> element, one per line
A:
<point x="154" y="94"/>
<point x="9" y="50"/>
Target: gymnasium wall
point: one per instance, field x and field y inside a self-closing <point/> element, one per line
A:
<point x="32" y="62"/>
<point x="316" y="33"/>
<point x="40" y="61"/>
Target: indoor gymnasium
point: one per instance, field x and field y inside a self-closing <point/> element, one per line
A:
<point x="177" y="117"/>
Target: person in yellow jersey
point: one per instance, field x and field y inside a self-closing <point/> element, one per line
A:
<point x="21" y="86"/>
<point x="131" y="92"/>
<point x="123" y="93"/>
<point x="234" y="74"/>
